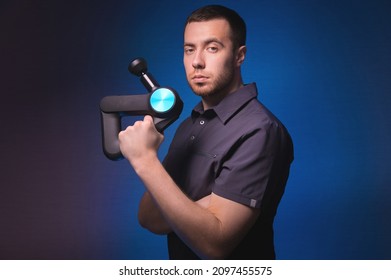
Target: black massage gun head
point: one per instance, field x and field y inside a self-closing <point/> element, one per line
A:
<point x="138" y="66"/>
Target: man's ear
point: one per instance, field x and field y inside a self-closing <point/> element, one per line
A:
<point x="241" y="54"/>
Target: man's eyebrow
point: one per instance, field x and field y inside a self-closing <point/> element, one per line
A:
<point x="214" y="40"/>
<point x="206" y="42"/>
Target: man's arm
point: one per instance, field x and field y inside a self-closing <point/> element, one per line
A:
<point x="150" y="217"/>
<point x="213" y="227"/>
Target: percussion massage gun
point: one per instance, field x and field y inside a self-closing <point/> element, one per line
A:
<point x="162" y="103"/>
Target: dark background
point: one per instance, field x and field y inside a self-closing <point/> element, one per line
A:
<point x="323" y="67"/>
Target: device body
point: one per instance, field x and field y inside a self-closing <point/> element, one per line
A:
<point x="162" y="103"/>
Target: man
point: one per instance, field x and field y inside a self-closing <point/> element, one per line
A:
<point x="217" y="191"/>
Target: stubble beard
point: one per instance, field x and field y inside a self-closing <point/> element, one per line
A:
<point x="219" y="86"/>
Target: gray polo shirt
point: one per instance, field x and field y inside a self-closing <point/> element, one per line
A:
<point x="238" y="150"/>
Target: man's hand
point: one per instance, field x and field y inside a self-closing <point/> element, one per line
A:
<point x="140" y="142"/>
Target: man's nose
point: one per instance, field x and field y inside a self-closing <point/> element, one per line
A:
<point x="198" y="60"/>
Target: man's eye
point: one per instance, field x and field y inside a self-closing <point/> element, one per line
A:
<point x="212" y="49"/>
<point x="189" y="51"/>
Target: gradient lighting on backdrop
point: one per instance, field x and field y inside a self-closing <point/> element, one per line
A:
<point x="323" y="67"/>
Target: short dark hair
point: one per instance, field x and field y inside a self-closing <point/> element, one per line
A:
<point x="236" y="22"/>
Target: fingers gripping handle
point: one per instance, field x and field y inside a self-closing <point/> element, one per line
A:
<point x="162" y="103"/>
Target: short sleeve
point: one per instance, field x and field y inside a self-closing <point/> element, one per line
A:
<point x="246" y="171"/>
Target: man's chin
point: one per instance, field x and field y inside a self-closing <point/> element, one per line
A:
<point x="201" y="89"/>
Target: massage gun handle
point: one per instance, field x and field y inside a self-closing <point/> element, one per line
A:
<point x="113" y="108"/>
<point x="111" y="125"/>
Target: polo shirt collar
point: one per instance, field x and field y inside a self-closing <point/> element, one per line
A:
<point x="230" y="104"/>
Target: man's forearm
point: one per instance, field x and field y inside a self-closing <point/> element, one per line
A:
<point x="150" y="217"/>
<point x="192" y="222"/>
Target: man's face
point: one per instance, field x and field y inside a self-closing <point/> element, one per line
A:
<point x="208" y="57"/>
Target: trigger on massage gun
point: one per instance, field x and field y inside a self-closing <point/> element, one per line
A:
<point x="162" y="103"/>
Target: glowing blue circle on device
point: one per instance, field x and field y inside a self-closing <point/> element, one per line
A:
<point x="162" y="100"/>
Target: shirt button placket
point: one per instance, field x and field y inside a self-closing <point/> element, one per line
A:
<point x="193" y="136"/>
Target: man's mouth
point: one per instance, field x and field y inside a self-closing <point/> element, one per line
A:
<point x="199" y="78"/>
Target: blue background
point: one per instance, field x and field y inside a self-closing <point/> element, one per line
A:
<point x="323" y="67"/>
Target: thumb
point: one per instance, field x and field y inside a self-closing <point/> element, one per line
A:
<point x="148" y="118"/>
